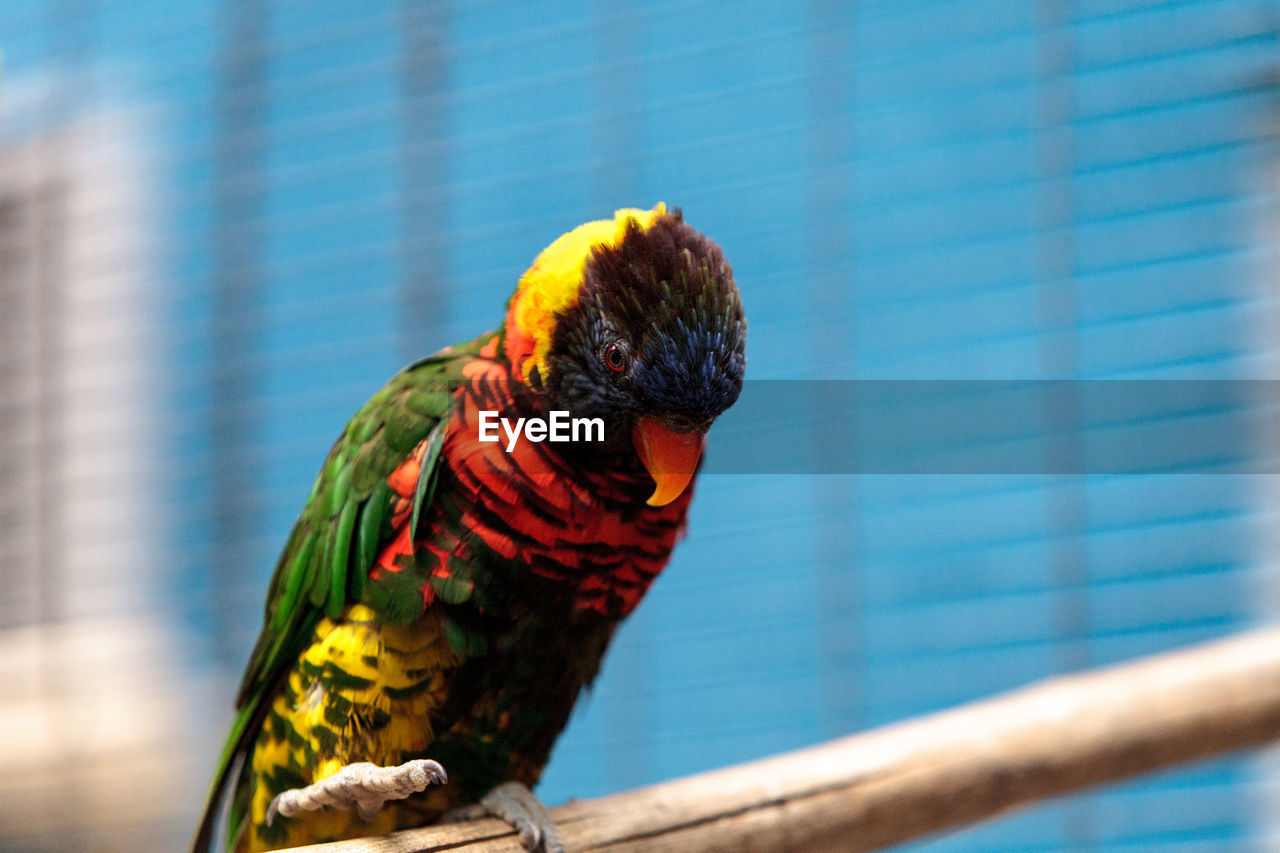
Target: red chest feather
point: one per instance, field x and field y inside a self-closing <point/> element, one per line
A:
<point x="591" y="530"/>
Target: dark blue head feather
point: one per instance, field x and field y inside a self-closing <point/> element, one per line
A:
<point x="665" y="301"/>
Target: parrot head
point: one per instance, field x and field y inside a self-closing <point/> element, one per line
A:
<point x="635" y="320"/>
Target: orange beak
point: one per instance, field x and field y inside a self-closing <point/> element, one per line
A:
<point x="670" y="457"/>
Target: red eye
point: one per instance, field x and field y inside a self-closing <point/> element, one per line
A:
<point x="614" y="359"/>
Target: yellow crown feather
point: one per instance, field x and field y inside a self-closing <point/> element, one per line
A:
<point x="550" y="287"/>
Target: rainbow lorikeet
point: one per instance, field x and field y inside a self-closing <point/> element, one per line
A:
<point x="443" y="599"/>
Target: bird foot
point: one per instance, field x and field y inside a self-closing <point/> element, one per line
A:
<point x="363" y="785"/>
<point x="517" y="805"/>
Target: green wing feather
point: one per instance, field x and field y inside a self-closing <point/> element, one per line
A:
<point x="343" y="526"/>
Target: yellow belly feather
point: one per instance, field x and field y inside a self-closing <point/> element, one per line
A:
<point x="360" y="692"/>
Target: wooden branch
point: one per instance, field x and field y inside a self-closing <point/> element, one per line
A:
<point x="886" y="786"/>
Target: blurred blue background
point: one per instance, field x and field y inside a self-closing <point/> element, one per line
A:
<point x="224" y="223"/>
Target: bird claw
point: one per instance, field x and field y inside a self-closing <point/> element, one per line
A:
<point x="517" y="805"/>
<point x="364" y="785"/>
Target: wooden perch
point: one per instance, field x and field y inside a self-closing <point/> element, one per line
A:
<point x="886" y="786"/>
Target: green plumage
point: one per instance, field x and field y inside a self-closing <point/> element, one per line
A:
<point x="338" y="535"/>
